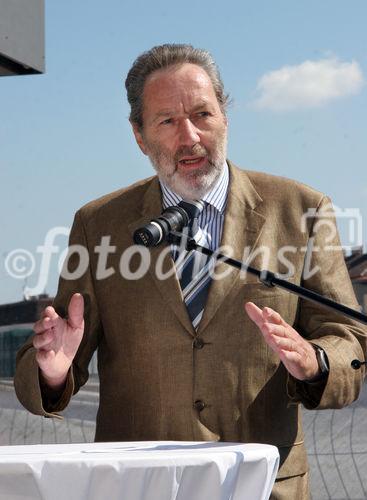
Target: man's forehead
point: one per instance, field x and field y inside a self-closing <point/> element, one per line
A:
<point x="191" y="73"/>
<point x="185" y="81"/>
<point x="185" y="86"/>
<point x="197" y="102"/>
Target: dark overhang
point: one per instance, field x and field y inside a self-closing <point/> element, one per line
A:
<point x="22" y="37"/>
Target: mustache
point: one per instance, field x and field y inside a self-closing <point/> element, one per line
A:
<point x="196" y="150"/>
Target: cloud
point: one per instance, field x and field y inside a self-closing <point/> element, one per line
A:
<point x="308" y="85"/>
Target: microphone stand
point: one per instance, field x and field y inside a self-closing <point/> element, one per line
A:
<point x="270" y="279"/>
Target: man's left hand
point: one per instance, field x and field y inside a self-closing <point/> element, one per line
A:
<point x="296" y="354"/>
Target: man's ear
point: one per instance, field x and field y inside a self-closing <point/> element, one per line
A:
<point x="138" y="137"/>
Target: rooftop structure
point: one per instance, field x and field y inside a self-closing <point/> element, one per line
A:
<point x="22" y="34"/>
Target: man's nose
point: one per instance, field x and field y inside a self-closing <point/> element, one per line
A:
<point x="188" y="133"/>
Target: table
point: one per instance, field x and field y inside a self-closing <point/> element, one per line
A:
<point x="155" y="470"/>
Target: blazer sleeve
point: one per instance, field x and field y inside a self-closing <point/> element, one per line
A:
<point x="342" y="339"/>
<point x="75" y="277"/>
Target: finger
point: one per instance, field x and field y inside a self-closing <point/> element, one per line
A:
<point x="273" y="316"/>
<point x="285" y="344"/>
<point x="47" y="312"/>
<point x="255" y="313"/>
<point x="278" y="330"/>
<point x="43" y="339"/>
<point x="286" y="338"/>
<point x="76" y="311"/>
<point x="277" y="343"/>
<point x="44" y="324"/>
<point x="47" y="320"/>
<point x="50" y="312"/>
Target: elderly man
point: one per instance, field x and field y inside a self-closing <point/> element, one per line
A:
<point x="231" y="370"/>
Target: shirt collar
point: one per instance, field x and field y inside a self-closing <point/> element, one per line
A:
<point x="217" y="196"/>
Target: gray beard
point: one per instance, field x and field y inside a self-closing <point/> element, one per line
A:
<point x="194" y="185"/>
<point x="191" y="190"/>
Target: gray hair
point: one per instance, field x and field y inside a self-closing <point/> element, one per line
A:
<point x="164" y="56"/>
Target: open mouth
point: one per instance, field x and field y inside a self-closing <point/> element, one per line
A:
<point x="192" y="161"/>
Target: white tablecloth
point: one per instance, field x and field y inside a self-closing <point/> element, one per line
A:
<point x="167" y="470"/>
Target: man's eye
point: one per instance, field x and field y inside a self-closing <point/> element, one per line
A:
<point x="203" y="114"/>
<point x="166" y="122"/>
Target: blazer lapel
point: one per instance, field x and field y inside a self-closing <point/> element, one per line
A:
<point x="242" y="229"/>
<point x="161" y="258"/>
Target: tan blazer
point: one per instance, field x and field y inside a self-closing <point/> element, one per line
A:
<point x="150" y="373"/>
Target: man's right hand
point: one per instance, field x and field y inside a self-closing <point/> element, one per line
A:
<point x="57" y="341"/>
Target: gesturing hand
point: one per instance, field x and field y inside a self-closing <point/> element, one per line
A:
<point x="296" y="354"/>
<point x="57" y="341"/>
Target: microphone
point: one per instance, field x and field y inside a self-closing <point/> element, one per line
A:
<point x="173" y="218"/>
<point x="356" y="364"/>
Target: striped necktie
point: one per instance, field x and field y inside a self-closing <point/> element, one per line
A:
<point x="193" y="271"/>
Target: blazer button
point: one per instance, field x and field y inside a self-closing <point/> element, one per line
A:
<point x="198" y="343"/>
<point x="199" y="405"/>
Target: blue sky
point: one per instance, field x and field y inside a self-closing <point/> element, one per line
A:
<point x="65" y="137"/>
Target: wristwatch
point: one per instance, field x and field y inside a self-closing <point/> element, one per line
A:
<point x="322" y="361"/>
